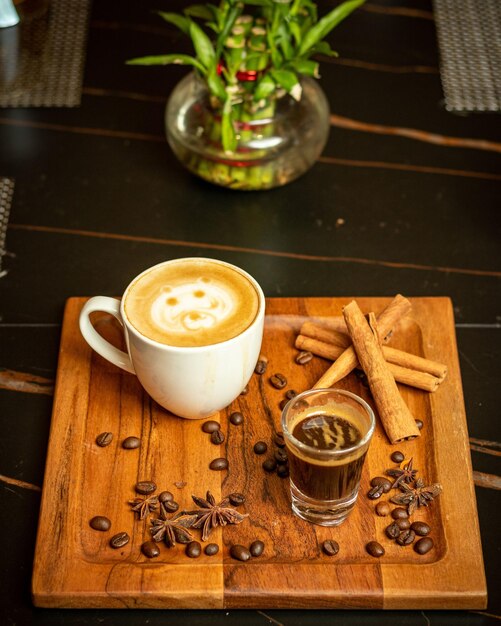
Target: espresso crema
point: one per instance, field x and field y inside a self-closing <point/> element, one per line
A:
<point x="191" y="303"/>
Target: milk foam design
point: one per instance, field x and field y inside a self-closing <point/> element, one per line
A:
<point x="192" y="306"/>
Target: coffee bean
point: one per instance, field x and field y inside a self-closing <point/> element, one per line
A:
<point x="304" y="357"/>
<point x="392" y="531"/>
<point x="283" y="471"/>
<point x="406" y="537"/>
<point x="330" y="547"/>
<point x="240" y="553"/>
<point x="150" y="549"/>
<point x="375" y="549"/>
<point x="193" y="550"/>
<point x="245" y="390"/>
<point x="290" y="393"/>
<point x="423" y="545"/>
<point x="281" y="456"/>
<point x="119" y="540"/>
<point x="170" y="506"/>
<point x="145" y="487"/>
<point x="217" y="437"/>
<point x="420" y="528"/>
<point x="256" y="548"/>
<point x="419" y="424"/>
<point x="261" y="365"/>
<point x="104" y="439"/>
<point x="269" y="465"/>
<point x="165" y="496"/>
<point x="381" y="481"/>
<point x="278" y="381"/>
<point x="383" y="509"/>
<point x="260" y="447"/>
<point x="283" y="403"/>
<point x="403" y="523"/>
<point x="376" y="492"/>
<point x="218" y="464"/>
<point x="236" y="418"/>
<point x="279" y="441"/>
<point x="399" y="513"/>
<point x="210" y="426"/>
<point x="131" y="443"/>
<point x="237" y="499"/>
<point x="211" y="549"/>
<point x="99" y="522"/>
<point x="397" y="456"/>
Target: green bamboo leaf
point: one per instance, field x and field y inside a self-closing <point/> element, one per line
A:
<point x="265" y="87"/>
<point x="258" y="3"/>
<point x="202" y="11"/>
<point x="306" y="67"/>
<point x="228" y="25"/>
<point x="216" y="84"/>
<point x="168" y="59"/>
<point x="323" y="27"/>
<point x="323" y="47"/>
<point x="203" y="46"/>
<point x="288" y="80"/>
<point x="284" y="41"/>
<point x="183" y="23"/>
<point x="228" y="135"/>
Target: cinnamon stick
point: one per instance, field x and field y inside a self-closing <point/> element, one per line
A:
<point x="347" y="362"/>
<point x="404" y="375"/>
<point x="391" y="355"/>
<point x="395" y="416"/>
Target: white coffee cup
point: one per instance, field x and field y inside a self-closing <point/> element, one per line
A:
<point x="190" y="381"/>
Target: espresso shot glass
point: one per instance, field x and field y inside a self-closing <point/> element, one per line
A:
<point x="327" y="433"/>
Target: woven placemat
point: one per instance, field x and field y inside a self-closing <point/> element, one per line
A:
<point x="469" y="38"/>
<point x="43" y="58"/>
<point x="6" y="192"/>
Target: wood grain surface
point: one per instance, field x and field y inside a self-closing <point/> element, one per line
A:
<point x="75" y="567"/>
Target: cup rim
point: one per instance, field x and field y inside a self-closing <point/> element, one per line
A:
<point x="329" y="453"/>
<point x="259" y="315"/>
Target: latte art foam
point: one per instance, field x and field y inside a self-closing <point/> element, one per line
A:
<point x="191" y="303"/>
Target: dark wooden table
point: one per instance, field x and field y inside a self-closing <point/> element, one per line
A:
<point x="99" y="197"/>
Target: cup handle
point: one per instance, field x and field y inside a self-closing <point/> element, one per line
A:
<point x="94" y="339"/>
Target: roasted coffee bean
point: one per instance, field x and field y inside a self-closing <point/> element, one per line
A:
<point x="218" y="464"/>
<point x="381" y="481"/>
<point x="193" y="550"/>
<point x="383" y="509"/>
<point x="165" y="496"/>
<point x="283" y="471"/>
<point x="423" y="545"/>
<point x="237" y="499"/>
<point x="260" y="447"/>
<point x="419" y="424"/>
<point x="392" y="531"/>
<point x="281" y="456"/>
<point x="211" y="549"/>
<point x="170" y="506"/>
<point x="269" y="465"/>
<point x="236" y="418"/>
<point x="240" y="553"/>
<point x="217" y="437"/>
<point x="403" y="523"/>
<point x="279" y="441"/>
<point x="100" y="522"/>
<point x="330" y="547"/>
<point x="119" y="540"/>
<point x="131" y="443"/>
<point x="210" y="426"/>
<point x="150" y="549"/>
<point x="375" y="549"/>
<point x="145" y="487"/>
<point x="420" y="528"/>
<point x="104" y="439"/>
<point x="245" y="390"/>
<point x="304" y="357"/>
<point x="256" y="548"/>
<point x="261" y="365"/>
<point x="290" y="393"/>
<point x="376" y="492"/>
<point x="397" y="456"/>
<point x="399" y="513"/>
<point x="283" y="403"/>
<point x="278" y="381"/>
<point x="406" y="537"/>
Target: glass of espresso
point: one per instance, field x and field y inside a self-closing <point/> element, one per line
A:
<point x="327" y="433"/>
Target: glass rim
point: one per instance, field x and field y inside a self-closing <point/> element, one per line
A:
<point x="329" y="453"/>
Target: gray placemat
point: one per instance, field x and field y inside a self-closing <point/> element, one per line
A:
<point x="6" y="192"/>
<point x="41" y="60"/>
<point x="469" y="38"/>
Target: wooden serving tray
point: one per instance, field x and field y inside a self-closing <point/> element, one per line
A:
<point x="75" y="567"/>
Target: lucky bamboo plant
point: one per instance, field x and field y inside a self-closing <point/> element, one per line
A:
<point x="251" y="53"/>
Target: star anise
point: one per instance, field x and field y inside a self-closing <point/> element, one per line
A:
<point x="173" y="530"/>
<point x="143" y="506"/>
<point x="210" y="514"/>
<point x="402" y="475"/>
<point x="419" y="495"/>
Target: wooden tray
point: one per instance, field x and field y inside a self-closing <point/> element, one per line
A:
<point x="75" y="567"/>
